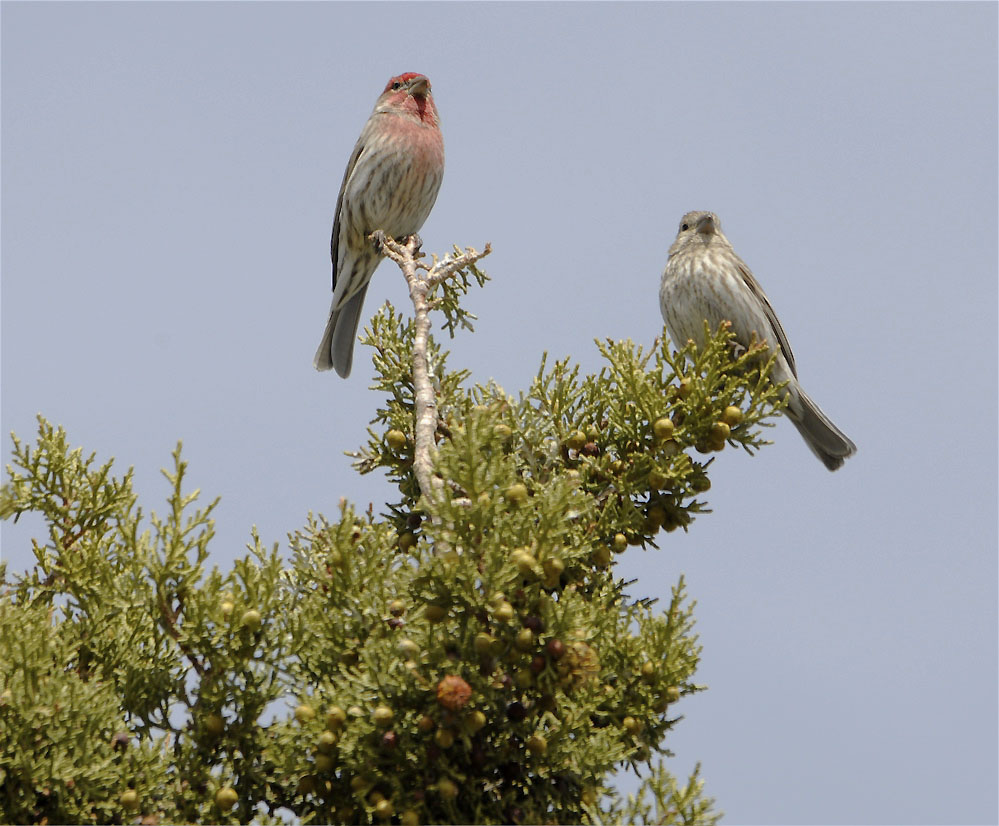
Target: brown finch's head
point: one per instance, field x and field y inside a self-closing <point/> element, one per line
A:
<point x="698" y="228"/>
<point x="409" y="94"/>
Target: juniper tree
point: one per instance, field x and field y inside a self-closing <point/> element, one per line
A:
<point x="469" y="654"/>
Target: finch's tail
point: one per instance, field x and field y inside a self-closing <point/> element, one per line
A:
<point x="825" y="440"/>
<point x="336" y="351"/>
<point x="324" y="356"/>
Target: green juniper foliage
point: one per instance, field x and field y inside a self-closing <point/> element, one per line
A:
<point x="469" y="656"/>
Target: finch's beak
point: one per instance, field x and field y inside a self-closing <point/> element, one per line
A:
<point x="419" y="85"/>
<point x="706" y="225"/>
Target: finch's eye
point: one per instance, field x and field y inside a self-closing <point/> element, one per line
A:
<point x="684" y="227"/>
<point x="396" y="85"/>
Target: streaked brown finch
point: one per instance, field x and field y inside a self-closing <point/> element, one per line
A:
<point x="391" y="183"/>
<point x="705" y="280"/>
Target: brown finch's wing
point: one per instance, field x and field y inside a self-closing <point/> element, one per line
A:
<point x="335" y="240"/>
<point x="757" y="290"/>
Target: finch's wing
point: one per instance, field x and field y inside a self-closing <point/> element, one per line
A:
<point x="757" y="290"/>
<point x="335" y="240"/>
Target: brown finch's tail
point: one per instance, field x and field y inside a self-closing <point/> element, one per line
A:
<point x="324" y="355"/>
<point x="336" y="351"/>
<point x="825" y="440"/>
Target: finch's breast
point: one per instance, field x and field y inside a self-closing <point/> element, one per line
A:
<point x="704" y="285"/>
<point x="395" y="182"/>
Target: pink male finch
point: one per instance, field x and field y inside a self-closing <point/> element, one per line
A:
<point x="705" y="280"/>
<point x="391" y="183"/>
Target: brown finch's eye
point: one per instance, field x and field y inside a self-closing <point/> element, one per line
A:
<point x="684" y="227"/>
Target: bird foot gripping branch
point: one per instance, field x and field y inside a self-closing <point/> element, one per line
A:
<point x="421" y="280"/>
<point x="378" y="238"/>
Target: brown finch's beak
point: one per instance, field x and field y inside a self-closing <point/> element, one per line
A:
<point x="419" y="85"/>
<point x="706" y="225"/>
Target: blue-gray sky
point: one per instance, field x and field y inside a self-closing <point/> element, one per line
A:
<point x="169" y="177"/>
